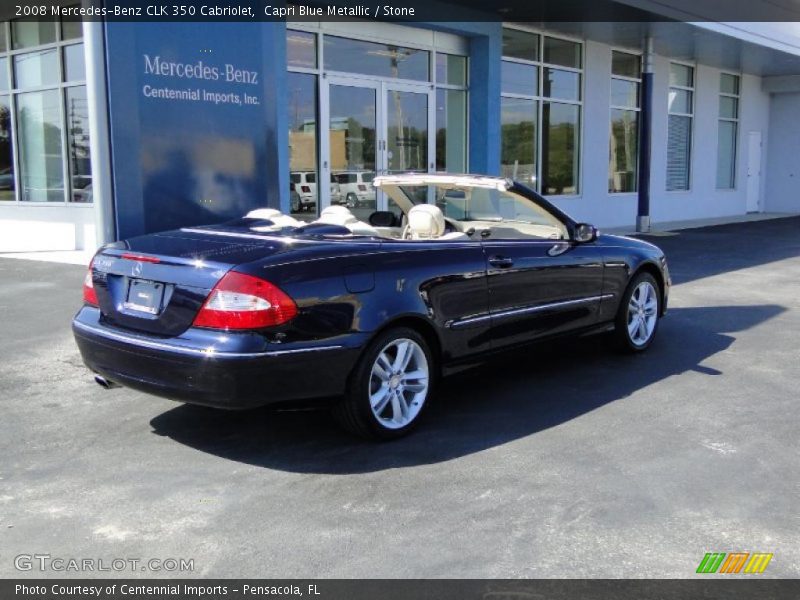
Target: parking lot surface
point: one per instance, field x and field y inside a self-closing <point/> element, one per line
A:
<point x="567" y="460"/>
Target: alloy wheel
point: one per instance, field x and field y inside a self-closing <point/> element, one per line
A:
<point x="399" y="382"/>
<point x="642" y="313"/>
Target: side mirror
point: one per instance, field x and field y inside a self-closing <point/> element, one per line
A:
<point x="585" y="233"/>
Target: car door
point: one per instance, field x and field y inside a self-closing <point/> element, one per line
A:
<point x="445" y="281"/>
<point x="539" y="288"/>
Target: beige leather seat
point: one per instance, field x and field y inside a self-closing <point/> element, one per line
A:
<point x="341" y="215"/>
<point x="426" y="222"/>
<point x="274" y="215"/>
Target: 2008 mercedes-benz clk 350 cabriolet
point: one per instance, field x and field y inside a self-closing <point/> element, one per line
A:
<point x="268" y="309"/>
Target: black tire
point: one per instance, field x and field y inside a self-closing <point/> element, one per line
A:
<point x="622" y="337"/>
<point x="351" y="200"/>
<point x="355" y="412"/>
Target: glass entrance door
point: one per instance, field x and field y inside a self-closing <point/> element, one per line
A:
<point x="407" y="127"/>
<point x="352" y="145"/>
<point x="372" y="127"/>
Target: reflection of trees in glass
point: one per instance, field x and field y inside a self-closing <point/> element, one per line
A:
<point x="41" y="157"/>
<point x="407" y="143"/>
<point x="559" y="149"/>
<point x="518" y="151"/>
<point x="33" y="122"/>
<point x="518" y="143"/>
<point x="78" y="138"/>
<point x="441" y="148"/>
<point x="6" y="155"/>
<point x="302" y="121"/>
<point x="518" y="140"/>
<point x="622" y="156"/>
<point x="5" y="121"/>
<point x="359" y="145"/>
<point x="409" y="146"/>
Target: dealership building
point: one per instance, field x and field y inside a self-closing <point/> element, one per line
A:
<point x="113" y="129"/>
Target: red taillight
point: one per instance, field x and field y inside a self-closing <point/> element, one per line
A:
<point x="362" y="187"/>
<point x="89" y="295"/>
<point x="305" y="189"/>
<point x="242" y="301"/>
<point x="141" y="258"/>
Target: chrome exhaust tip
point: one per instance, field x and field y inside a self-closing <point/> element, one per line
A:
<point x="105" y="383"/>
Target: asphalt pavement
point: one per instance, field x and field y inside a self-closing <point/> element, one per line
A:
<point x="567" y="460"/>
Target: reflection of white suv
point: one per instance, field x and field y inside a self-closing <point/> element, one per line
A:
<point x="303" y="190"/>
<point x="356" y="188"/>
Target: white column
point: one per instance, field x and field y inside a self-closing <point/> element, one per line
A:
<point x="100" y="141"/>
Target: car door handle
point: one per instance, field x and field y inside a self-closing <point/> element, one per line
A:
<point x="501" y="262"/>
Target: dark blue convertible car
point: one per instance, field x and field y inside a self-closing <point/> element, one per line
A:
<point x="268" y="309"/>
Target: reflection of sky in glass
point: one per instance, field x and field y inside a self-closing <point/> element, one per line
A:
<point x="680" y="101"/>
<point x="520" y="44"/>
<point x="369" y="58"/>
<point x="27" y="34"/>
<point x="625" y="64"/>
<point x="74" y="64"/>
<point x="302" y="101"/>
<point x="516" y="110"/>
<point x="517" y="78"/>
<point x="624" y="93"/>
<point x="409" y="108"/>
<point x="728" y="84"/>
<point x="353" y="103"/>
<point x="681" y="75"/>
<point x="36" y="68"/>
<point x="728" y="107"/>
<point x="301" y="49"/>
<point x="561" y="84"/>
<point x="4" y="85"/>
<point x="562" y="52"/>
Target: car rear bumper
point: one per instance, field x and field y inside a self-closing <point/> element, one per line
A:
<point x="236" y="376"/>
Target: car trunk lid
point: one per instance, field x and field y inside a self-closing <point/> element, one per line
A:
<point x="157" y="283"/>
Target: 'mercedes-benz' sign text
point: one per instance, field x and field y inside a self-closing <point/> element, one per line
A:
<point x="198" y="70"/>
<point x="191" y="73"/>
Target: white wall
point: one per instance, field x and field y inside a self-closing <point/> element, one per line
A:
<point x="782" y="174"/>
<point x="703" y="200"/>
<point x="26" y="228"/>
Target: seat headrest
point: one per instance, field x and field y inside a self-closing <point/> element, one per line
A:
<point x="263" y="213"/>
<point x="336" y="215"/>
<point x="272" y="214"/>
<point x="341" y="215"/>
<point x="336" y="209"/>
<point x="425" y="221"/>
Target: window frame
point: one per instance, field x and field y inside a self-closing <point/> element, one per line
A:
<point x="61" y="86"/>
<point x="637" y="109"/>
<point x="691" y="115"/>
<point x="737" y="122"/>
<point x="540" y="99"/>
